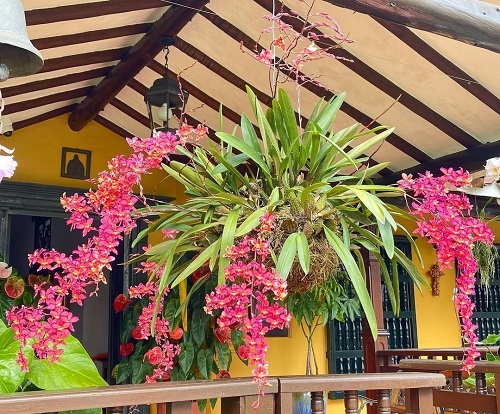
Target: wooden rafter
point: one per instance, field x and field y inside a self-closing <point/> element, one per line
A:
<point x="90" y="36"/>
<point x="83" y="59"/>
<point x="43" y="117"/>
<point x="387" y="86"/>
<point x="174" y="19"/>
<point x="88" y="10"/>
<point x="249" y="43"/>
<point x="470" y="21"/>
<point x="47" y="100"/>
<point x="472" y="159"/>
<point x="446" y="66"/>
<point x="55" y="82"/>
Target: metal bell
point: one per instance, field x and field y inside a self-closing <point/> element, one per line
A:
<point x="18" y="56"/>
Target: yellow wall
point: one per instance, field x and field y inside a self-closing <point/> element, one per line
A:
<point x="39" y="147"/>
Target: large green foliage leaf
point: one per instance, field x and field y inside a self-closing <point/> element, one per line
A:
<point x="11" y="375"/>
<point x="76" y="369"/>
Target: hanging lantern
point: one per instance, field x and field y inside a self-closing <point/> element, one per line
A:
<point x="164" y="95"/>
<point x="18" y="56"/>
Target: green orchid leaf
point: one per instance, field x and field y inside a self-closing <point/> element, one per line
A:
<point x="229" y="167"/>
<point x="203" y="257"/>
<point x="227" y="240"/>
<point x="254" y="155"/>
<point x="412" y="270"/>
<point x="329" y="112"/>
<point x="387" y="237"/>
<point x="250" y="223"/>
<point x="365" y="146"/>
<point x="75" y="369"/>
<point x="288" y="115"/>
<point x="357" y="280"/>
<point x="234" y="161"/>
<point x="248" y="133"/>
<point x="372" y="203"/>
<point x="287" y="256"/>
<point x="303" y="252"/>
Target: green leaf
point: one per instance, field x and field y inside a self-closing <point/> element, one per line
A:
<point x="303" y="252"/>
<point x="196" y="263"/>
<point x="227" y="240"/>
<point x="243" y="147"/>
<point x="205" y="360"/>
<point x="287" y="256"/>
<point x="122" y="372"/>
<point x="248" y="133"/>
<point x="139" y="369"/>
<point x="250" y="223"/>
<point x="223" y="355"/>
<point x="387" y="237"/>
<point x="288" y="115"/>
<point x="11" y="375"/>
<point x="199" y="322"/>
<point x="75" y="369"/>
<point x="186" y="356"/>
<point x="357" y="280"/>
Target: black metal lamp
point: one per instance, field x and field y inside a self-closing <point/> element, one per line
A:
<point x="165" y="95"/>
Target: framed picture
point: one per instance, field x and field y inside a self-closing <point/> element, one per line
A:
<point x="75" y="163"/>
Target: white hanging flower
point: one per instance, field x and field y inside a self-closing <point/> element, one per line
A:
<point x="7" y="163"/>
<point x="492" y="169"/>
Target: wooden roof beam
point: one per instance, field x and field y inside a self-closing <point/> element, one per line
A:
<point x="472" y="159"/>
<point x="171" y="23"/>
<point x="469" y="21"/>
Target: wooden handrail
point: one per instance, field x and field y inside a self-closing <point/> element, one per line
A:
<point x="482" y="400"/>
<point x="434" y="352"/>
<point x="237" y="394"/>
<point x="427" y="365"/>
<point x="133" y="394"/>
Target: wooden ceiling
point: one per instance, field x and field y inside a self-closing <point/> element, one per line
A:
<point x="101" y="56"/>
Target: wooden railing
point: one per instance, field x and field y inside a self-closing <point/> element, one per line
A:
<point x="237" y="395"/>
<point x="388" y="359"/>
<point x="458" y="397"/>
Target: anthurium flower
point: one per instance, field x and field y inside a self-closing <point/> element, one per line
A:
<point x="5" y="270"/>
<point x="136" y="333"/>
<point x="14" y="287"/>
<point x="176" y="333"/>
<point x="126" y="349"/>
<point x="121" y="302"/>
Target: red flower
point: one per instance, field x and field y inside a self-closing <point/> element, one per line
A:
<point x="243" y="352"/>
<point x="223" y="374"/>
<point x="136" y="333"/>
<point x="154" y="355"/>
<point x="121" y="302"/>
<point x="126" y="349"/>
<point x="14" y="287"/>
<point x="203" y="271"/>
<point x="176" y="333"/>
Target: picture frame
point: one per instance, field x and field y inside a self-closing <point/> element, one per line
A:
<point x="75" y="163"/>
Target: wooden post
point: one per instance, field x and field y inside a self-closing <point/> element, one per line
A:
<point x="371" y="345"/>
<point x="419" y="400"/>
